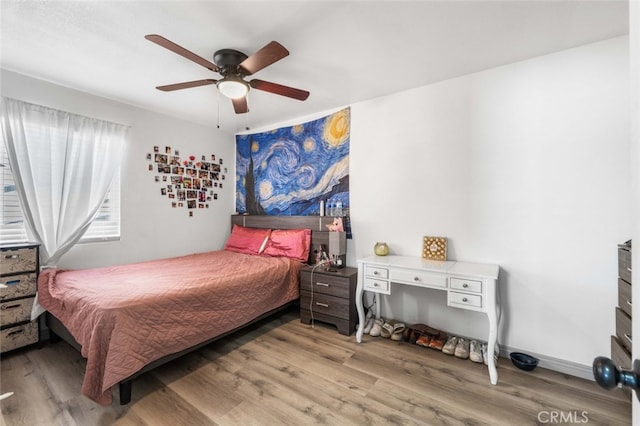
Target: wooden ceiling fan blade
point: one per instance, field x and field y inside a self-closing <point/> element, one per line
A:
<point x="240" y="105"/>
<point x="186" y="85"/>
<point x="168" y="44"/>
<point x="279" y="89"/>
<point x="264" y="57"/>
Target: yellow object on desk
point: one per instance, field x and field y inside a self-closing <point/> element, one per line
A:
<point x="434" y="248"/>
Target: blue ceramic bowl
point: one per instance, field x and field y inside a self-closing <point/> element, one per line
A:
<point x="523" y="361"/>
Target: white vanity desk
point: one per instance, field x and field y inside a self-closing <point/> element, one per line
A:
<point x="470" y="286"/>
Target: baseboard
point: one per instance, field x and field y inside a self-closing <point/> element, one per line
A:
<point x="555" y="364"/>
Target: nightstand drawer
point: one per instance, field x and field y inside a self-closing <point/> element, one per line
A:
<point x="19" y="336"/>
<point x="463" y="300"/>
<point x="15" y="286"/>
<point x="376" y="271"/>
<point x="465" y="285"/>
<point x="619" y="354"/>
<point x="329" y="305"/>
<point x="332" y="285"/>
<point x="15" y="311"/>
<point x="18" y="260"/>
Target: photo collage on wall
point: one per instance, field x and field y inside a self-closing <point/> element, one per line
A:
<point x="191" y="183"/>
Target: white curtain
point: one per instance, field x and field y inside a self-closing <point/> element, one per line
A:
<point x="63" y="165"/>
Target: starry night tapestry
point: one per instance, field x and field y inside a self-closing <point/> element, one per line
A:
<point x="288" y="171"/>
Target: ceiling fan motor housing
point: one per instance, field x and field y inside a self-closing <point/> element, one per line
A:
<point x="228" y="59"/>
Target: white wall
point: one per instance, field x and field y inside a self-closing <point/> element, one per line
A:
<point x="526" y="166"/>
<point x="151" y="228"/>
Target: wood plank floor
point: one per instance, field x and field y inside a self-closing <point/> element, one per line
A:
<point x="280" y="371"/>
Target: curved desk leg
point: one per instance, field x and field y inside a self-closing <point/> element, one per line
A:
<point x="359" y="307"/>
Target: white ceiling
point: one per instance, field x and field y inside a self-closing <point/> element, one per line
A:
<point x="341" y="51"/>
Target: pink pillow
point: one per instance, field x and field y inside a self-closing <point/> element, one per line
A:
<point x="293" y="243"/>
<point x="247" y="240"/>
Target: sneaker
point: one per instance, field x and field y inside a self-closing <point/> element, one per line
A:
<point x="450" y="347"/>
<point x="475" y="351"/>
<point x="462" y="349"/>
<point x="377" y="327"/>
<point x="485" y="356"/>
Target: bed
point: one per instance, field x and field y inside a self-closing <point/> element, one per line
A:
<point x="129" y="319"/>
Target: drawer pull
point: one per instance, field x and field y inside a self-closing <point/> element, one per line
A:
<point x="626" y="336"/>
<point x="12" y="256"/>
<point x="629" y="302"/>
<point x="376" y="273"/>
<point x="7" y="307"/>
<point x="322" y="284"/>
<point x="324" y="305"/>
<point x="416" y="279"/>
<point x="629" y="268"/>
<point x="464" y="299"/>
<point x="375" y="284"/>
<point x="465" y="285"/>
<point x="12" y="282"/>
<point x="13" y="333"/>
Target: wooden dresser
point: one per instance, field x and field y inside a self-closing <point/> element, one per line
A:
<point x="329" y="297"/>
<point x="621" y="342"/>
<point x="19" y="268"/>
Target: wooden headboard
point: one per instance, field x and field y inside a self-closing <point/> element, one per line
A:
<point x="317" y="224"/>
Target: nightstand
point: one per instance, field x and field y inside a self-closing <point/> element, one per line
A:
<point x="329" y="297"/>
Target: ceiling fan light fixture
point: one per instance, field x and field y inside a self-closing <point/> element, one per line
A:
<point x="233" y="87"/>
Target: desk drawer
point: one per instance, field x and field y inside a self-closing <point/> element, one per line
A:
<point x="325" y="284"/>
<point x="378" y="286"/>
<point x="376" y="271"/>
<point x="464" y="300"/>
<point x="329" y="305"/>
<point x="419" y="278"/>
<point x="19" y="336"/>
<point x="624" y="296"/>
<point x="17" y="286"/>
<point x="18" y="260"/>
<point x="465" y="285"/>
<point x="623" y="328"/>
<point x="15" y="311"/>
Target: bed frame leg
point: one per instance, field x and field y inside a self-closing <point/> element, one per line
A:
<point x="125" y="391"/>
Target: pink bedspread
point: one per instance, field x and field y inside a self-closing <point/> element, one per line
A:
<point x="128" y="316"/>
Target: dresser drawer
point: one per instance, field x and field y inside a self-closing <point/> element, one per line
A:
<point x="624" y="296"/>
<point x="464" y="300"/>
<point x="15" y="311"/>
<point x="419" y="278"/>
<point x="325" y="284"/>
<point x="465" y="285"/>
<point x="623" y="328"/>
<point x="375" y="285"/>
<point x="15" y="286"/>
<point x="624" y="264"/>
<point x="18" y="260"/>
<point x="19" y="336"/>
<point x="376" y="271"/>
<point x="619" y="354"/>
<point x="328" y="305"/>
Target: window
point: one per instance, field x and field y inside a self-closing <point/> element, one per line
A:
<point x="106" y="226"/>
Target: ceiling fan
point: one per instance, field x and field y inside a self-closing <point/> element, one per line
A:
<point x="234" y="66"/>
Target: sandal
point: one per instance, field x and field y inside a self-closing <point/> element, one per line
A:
<point x="398" y="329"/>
<point x="387" y="328"/>
<point x="376" y="329"/>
